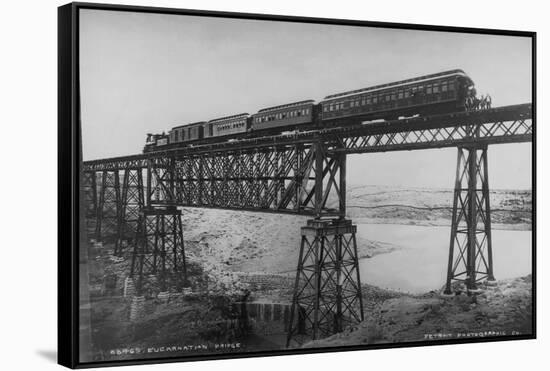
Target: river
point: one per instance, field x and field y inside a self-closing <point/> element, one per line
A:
<point x="420" y="263"/>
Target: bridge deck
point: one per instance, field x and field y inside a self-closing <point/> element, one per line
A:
<point x="301" y="173"/>
<point x="508" y="124"/>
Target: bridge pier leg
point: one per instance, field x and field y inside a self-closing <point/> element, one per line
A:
<point x="327" y="292"/>
<point x="108" y="208"/>
<point x="470" y="252"/>
<point x="89" y="193"/>
<point x="159" y="250"/>
<point x="132" y="201"/>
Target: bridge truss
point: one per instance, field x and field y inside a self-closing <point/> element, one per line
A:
<point x="305" y="173"/>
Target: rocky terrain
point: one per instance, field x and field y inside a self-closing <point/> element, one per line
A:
<point x="504" y="309"/>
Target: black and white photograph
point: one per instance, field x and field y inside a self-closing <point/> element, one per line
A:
<point x="264" y="185"/>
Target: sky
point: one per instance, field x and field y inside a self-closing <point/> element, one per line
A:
<point x="145" y="73"/>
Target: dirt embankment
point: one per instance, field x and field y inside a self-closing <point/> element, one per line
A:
<point x="504" y="309"/>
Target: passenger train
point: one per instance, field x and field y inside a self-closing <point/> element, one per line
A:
<point x="444" y="92"/>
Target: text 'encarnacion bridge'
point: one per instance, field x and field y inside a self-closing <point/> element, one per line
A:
<point x="131" y="200"/>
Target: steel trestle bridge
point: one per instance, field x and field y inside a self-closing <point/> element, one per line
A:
<point x="131" y="200"/>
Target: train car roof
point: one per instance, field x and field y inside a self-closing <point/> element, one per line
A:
<point x="288" y="105"/>
<point x="244" y="114"/>
<point x="398" y="83"/>
<point x="191" y="124"/>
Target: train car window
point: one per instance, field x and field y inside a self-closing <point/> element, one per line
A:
<point x="451" y="85"/>
<point x="400" y="94"/>
<point x="387" y="98"/>
<point x="375" y="99"/>
<point x="307" y="111"/>
<point x="393" y="96"/>
<point x="368" y="99"/>
<point x="176" y="136"/>
<point x="436" y="88"/>
<point x="429" y="89"/>
<point x="407" y="93"/>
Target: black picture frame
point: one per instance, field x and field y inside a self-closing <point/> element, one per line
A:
<point x="70" y="216"/>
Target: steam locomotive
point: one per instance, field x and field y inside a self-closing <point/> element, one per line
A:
<point x="444" y="92"/>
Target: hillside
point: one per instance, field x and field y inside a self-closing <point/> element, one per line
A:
<point x="510" y="209"/>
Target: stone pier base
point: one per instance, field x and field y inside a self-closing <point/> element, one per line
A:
<point x="163" y="296"/>
<point x="137" y="307"/>
<point x="129" y="288"/>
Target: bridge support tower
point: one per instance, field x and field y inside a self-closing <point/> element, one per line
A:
<point x="327" y="292"/>
<point x="108" y="208"/>
<point x="470" y="252"/>
<point x="132" y="201"/>
<point x="89" y="194"/>
<point x="159" y="251"/>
